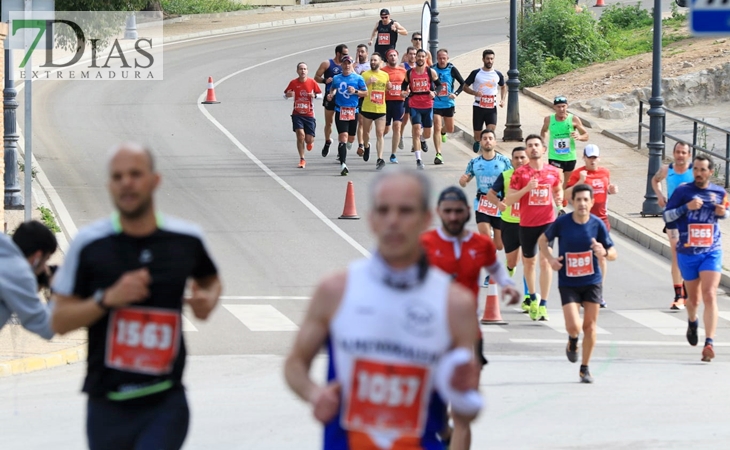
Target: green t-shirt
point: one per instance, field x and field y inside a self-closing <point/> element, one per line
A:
<point x="561" y="147"/>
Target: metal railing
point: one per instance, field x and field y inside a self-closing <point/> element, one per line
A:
<point x="695" y="133"/>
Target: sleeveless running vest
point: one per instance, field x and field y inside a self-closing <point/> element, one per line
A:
<point x="330" y="72"/>
<point x="442" y="100"/>
<point x="674" y="179"/>
<point x="561" y="146"/>
<point x="420" y="85"/>
<point x="507" y="215"/>
<point x="386" y="38"/>
<point x="384" y="345"/>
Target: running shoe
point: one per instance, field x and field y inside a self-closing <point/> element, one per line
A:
<point x="302" y="163"/>
<point x="379" y="164"/>
<point x="360" y="150"/>
<point x="443" y="138"/>
<point x="366" y="155"/>
<point x="475" y="147"/>
<point x="393" y="159"/>
<point x="349" y="146"/>
<point x="419" y="165"/>
<point x="562" y="212"/>
<point x="486" y="282"/>
<point x="344" y="171"/>
<point x="400" y="143"/>
<point x="571" y="351"/>
<point x="692" y="334"/>
<point x="542" y="314"/>
<point x="326" y="149"/>
<point x="708" y="353"/>
<point x="603" y="303"/>
<point x="585" y="376"/>
<point x="424" y="146"/>
<point x="511" y="272"/>
<point x="677" y="304"/>
<point x="309" y="147"/>
<point x="534" y="309"/>
<point x="438" y="160"/>
<point x="526" y="305"/>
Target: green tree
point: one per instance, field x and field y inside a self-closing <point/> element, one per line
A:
<point x="100" y="5"/>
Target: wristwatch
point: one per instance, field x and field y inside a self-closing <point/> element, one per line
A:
<point x="99" y="299"/>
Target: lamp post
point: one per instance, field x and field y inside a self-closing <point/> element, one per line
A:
<point x="651" y="207"/>
<point x="13" y="199"/>
<point x="433" y="30"/>
<point x="512" y="129"/>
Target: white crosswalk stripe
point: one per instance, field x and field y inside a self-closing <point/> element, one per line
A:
<point x="187" y="325"/>
<point x="659" y="321"/>
<point x="262" y="318"/>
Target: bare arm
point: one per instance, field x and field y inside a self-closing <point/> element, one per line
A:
<point x="514" y="197"/>
<point x="319" y="76"/>
<point x="464" y="334"/>
<point x="205" y="294"/>
<point x="401" y="30"/>
<point x="547" y="253"/>
<point x="503" y="91"/>
<point x="493" y="199"/>
<point x="372" y="35"/>
<point x="558" y="193"/>
<point x="582" y="132"/>
<point x="545" y="128"/>
<point x="656" y="185"/>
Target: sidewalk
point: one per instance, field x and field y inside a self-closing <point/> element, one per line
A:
<point x="628" y="166"/>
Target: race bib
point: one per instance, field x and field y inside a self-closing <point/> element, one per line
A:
<point x="487" y="207"/>
<point x="579" y="264"/>
<point x="395" y="91"/>
<point x="421" y="85"/>
<point x="516" y="210"/>
<point x="443" y="90"/>
<point x="700" y="234"/>
<point x="540" y="196"/>
<point x="142" y="340"/>
<point x="561" y="146"/>
<point x="388" y="397"/>
<point x="347" y="113"/>
<point x="301" y="107"/>
<point x="487" y="101"/>
<point x="383" y="38"/>
<point x="377" y="97"/>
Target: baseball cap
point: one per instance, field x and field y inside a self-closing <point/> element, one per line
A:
<point x="560" y="100"/>
<point x="591" y="150"/>
<point x="384" y="12"/>
<point x="346" y="58"/>
<point x="453" y="193"/>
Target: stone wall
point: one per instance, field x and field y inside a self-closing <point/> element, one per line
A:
<point x="707" y="86"/>
<point x="3" y="33"/>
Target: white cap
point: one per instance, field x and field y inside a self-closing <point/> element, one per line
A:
<point x="591" y="150"/>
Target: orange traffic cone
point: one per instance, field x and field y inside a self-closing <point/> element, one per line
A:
<point x="350" y="212"/>
<point x="210" y="98"/>
<point x="491" y="315"/>
<point x="599" y="3"/>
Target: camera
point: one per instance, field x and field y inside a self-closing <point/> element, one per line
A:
<point x="44" y="278"/>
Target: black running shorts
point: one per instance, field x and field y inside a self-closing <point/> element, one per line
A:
<point x="483" y="117"/>
<point x="592" y="293"/>
<point x="565" y="166"/>
<point x="529" y="237"/>
<point x="510" y="236"/>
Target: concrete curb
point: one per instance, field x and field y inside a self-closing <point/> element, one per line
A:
<point x="42" y="362"/>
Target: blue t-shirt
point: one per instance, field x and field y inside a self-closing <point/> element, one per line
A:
<point x="580" y="265"/>
<point x="344" y="98"/>
<point x="486" y="172"/>
<point x="698" y="230"/>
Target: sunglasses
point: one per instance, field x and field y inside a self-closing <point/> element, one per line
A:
<point x="416" y="39"/>
<point x="560" y="99"/>
<point x="383" y="17"/>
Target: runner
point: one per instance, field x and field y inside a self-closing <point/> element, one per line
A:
<point x="583" y="241"/>
<point x="462" y="254"/>
<point x="599" y="178"/>
<point x="124" y="278"/>
<point x="484" y="84"/>
<point x="510" y="226"/>
<point x="347" y="87"/>
<point x="303" y="89"/>
<point x="23" y="271"/>
<point x="444" y="104"/>
<point x="394" y="102"/>
<point x="536" y="186"/>
<point x="325" y="73"/>
<point x="361" y="65"/>
<point x="676" y="173"/>
<point x="562" y="129"/>
<point x="486" y="168"/>
<point x="417" y="43"/>
<point x="420" y="85"/>
<point x="374" y="109"/>
<point x="409" y="62"/>
<point x="387" y="32"/>
<point x="696" y="207"/>
<point x="374" y="342"/>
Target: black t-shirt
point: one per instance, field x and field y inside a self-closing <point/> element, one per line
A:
<point x="145" y="346"/>
<point x="386" y="38"/>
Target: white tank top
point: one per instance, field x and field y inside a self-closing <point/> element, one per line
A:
<point x="386" y="344"/>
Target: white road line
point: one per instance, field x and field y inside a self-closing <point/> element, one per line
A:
<point x="187" y="325"/>
<point x="621" y="343"/>
<point x="658" y="321"/>
<point x="557" y="322"/>
<point x="262" y="297"/>
<point x="262" y="318"/>
<point x="724" y="314"/>
<point x="492" y="328"/>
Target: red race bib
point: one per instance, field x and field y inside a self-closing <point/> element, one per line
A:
<point x="347" y="113"/>
<point x="486" y="207"/>
<point x="383" y="38"/>
<point x="395" y="91"/>
<point x="516" y="210"/>
<point x="700" y="234"/>
<point x="487" y="101"/>
<point x="540" y="196"/>
<point x="142" y="340"/>
<point x="579" y="264"/>
<point x="377" y="97"/>
<point x="386" y="397"/>
<point x="443" y="90"/>
<point x="302" y="107"/>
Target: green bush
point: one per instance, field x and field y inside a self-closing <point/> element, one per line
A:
<point x="202" y="6"/>
<point x="626" y="17"/>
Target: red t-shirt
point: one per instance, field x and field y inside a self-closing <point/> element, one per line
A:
<point x="599" y="181"/>
<point x="302" y="101"/>
<point x="537" y="207"/>
<point x="396" y="75"/>
<point x="476" y="251"/>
